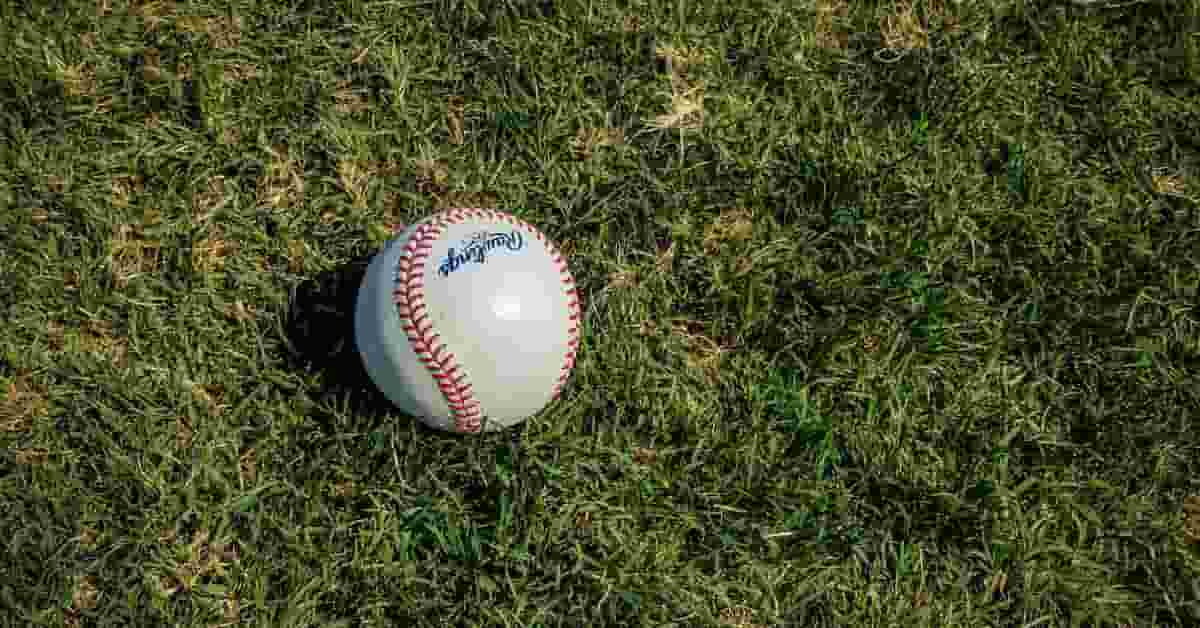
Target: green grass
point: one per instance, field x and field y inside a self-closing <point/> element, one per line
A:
<point x="893" y="323"/>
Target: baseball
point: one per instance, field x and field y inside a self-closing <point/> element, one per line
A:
<point x="468" y="320"/>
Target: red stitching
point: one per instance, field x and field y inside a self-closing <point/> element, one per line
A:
<point x="409" y="297"/>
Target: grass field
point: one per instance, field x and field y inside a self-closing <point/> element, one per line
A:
<point x="891" y="313"/>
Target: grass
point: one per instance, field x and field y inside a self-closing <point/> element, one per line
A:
<point x="890" y="313"/>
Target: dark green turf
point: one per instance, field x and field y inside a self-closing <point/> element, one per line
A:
<point x="902" y="330"/>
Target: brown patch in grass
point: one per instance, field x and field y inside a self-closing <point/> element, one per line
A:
<point x="22" y="403"/>
<point x="645" y="455"/>
<point x="209" y="397"/>
<point x="151" y="65"/>
<point x="475" y="200"/>
<point x="631" y="24"/>
<point x="204" y="560"/>
<point x="56" y="183"/>
<point x="432" y="176"/>
<point x="230" y="136"/>
<point x="828" y="34"/>
<point x="240" y="312"/>
<point x="86" y="595"/>
<point x="679" y="59"/>
<point x="353" y="177"/>
<point x="297" y="256"/>
<point x="32" y="456"/>
<point x="124" y="188"/>
<point x="664" y="260"/>
<point x="687" y="99"/>
<point x="999" y="583"/>
<point x="583" y="520"/>
<point x="348" y="100"/>
<point x="703" y="353"/>
<point x="238" y="72"/>
<point x="686" y="110"/>
<point x="738" y="617"/>
<point x="1191" y="519"/>
<point x="903" y="29"/>
<point x="79" y="80"/>
<point x="732" y="226"/>
<point x="88" y="536"/>
<point x="455" y="121"/>
<point x="210" y="253"/>
<point x="183" y="433"/>
<point x="132" y="253"/>
<point x="56" y="334"/>
<point x="343" y="489"/>
<point x="1168" y="183"/>
<point x="281" y="185"/>
<point x="231" y="609"/>
<point x="622" y="279"/>
<point x="872" y="343"/>
<point x="588" y="140"/>
<point x="153" y="14"/>
<point x="223" y="32"/>
<point x="97" y="337"/>
<point x="248" y="466"/>
<point x="210" y="199"/>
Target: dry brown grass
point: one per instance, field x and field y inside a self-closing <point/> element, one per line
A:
<point x="586" y="142"/>
<point x="133" y="253"/>
<point x="828" y="33"/>
<point x="153" y="14"/>
<point x="349" y="100"/>
<point x="282" y="184"/>
<point x="903" y="29"/>
<point x="297" y="256"/>
<point x="210" y="199"/>
<point x="32" y="456"/>
<point x="88" y="536"/>
<point x="240" y="312"/>
<point x="455" y="121"/>
<point x="704" y="354"/>
<point x="432" y="176"/>
<point x="184" y="433"/>
<point x="97" y="336"/>
<point x="79" y="80"/>
<point x="248" y="466"/>
<point x="645" y="456"/>
<point x="686" y="110"/>
<point x="738" y="617"/>
<point x="1168" y="183"/>
<point x="210" y="253"/>
<point x="732" y="226"/>
<point x="223" y="33"/>
<point x="202" y="560"/>
<point x="622" y="279"/>
<point x="1191" y="519"/>
<point x="209" y="397"/>
<point x="238" y="72"/>
<point x="353" y="178"/>
<point x="87" y="594"/>
<point x="21" y="405"/>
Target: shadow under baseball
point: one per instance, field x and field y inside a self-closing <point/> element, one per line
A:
<point x="320" y="336"/>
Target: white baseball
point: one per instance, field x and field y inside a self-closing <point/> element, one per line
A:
<point x="469" y="320"/>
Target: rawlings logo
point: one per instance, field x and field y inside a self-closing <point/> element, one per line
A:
<point x="475" y="249"/>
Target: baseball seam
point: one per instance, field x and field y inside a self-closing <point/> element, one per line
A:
<point x="409" y="297"/>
